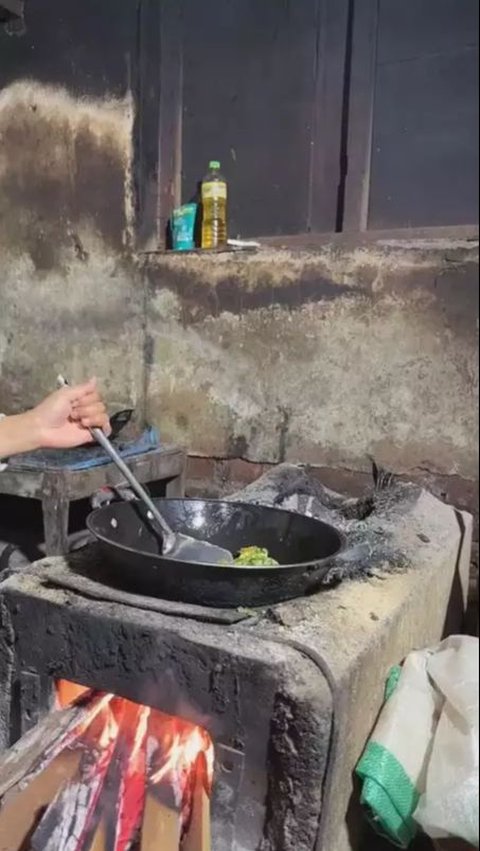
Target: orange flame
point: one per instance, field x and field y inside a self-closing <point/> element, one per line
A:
<point x="141" y="731"/>
<point x="183" y="752"/>
<point x="174" y="745"/>
<point x="111" y="729"/>
<point x="67" y="693"/>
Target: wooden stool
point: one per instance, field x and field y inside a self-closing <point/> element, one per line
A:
<point x="57" y="488"/>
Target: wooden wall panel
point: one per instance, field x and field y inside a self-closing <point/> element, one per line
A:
<point x="250" y="74"/>
<point x="413" y="122"/>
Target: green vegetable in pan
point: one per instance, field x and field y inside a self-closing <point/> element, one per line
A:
<point x="254" y="557"/>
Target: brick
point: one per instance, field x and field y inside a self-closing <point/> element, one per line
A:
<point x="200" y="468"/>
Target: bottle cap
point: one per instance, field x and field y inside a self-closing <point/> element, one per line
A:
<point x="214" y="164"/>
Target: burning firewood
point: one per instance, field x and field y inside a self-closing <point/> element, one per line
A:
<point x="107" y="774"/>
<point x="198" y="836"/>
<point x="42" y="764"/>
<point x="178" y="805"/>
<point x="132" y="768"/>
<point x="57" y="731"/>
<point x="22" y="808"/>
<point x="67" y="820"/>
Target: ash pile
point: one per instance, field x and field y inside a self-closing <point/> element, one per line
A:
<point x="377" y="525"/>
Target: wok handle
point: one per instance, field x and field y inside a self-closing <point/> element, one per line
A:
<point x="98" y="435"/>
<point x="316" y="574"/>
<point x="346" y="554"/>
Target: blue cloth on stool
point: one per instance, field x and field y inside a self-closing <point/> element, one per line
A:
<point x="85" y="457"/>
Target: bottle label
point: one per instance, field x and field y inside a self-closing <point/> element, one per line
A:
<point x="215" y="189"/>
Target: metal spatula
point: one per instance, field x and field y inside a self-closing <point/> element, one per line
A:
<point x="174" y="544"/>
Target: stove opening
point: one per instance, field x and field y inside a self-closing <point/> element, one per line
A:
<point x="102" y="772"/>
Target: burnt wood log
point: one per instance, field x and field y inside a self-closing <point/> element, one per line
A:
<point x="132" y="774"/>
<point x="69" y="818"/>
<point x="32" y="753"/>
<point x="198" y="834"/>
<point x="22" y="808"/>
<point x="79" y="781"/>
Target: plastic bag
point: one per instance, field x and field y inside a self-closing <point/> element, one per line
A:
<point x="449" y="805"/>
<point x="421" y="764"/>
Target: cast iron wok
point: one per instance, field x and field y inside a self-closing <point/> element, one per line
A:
<point x="303" y="546"/>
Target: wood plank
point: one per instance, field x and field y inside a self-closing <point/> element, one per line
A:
<point x="147" y="123"/>
<point x="430" y="27"/>
<point x="198" y="837"/>
<point x="161" y="825"/>
<point x="424" y="168"/>
<point x="99" y="841"/>
<point x="21" y="759"/>
<point x="171" y="115"/>
<point x="163" y="463"/>
<point x="249" y="88"/>
<point x="22" y="808"/>
<point x="327" y="118"/>
<point x="56" y="512"/>
<point x="360" y="118"/>
<point x="413" y="118"/>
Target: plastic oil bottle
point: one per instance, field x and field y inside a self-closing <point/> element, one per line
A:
<point x="214" y="208"/>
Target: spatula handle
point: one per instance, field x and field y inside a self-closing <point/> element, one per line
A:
<point x="140" y="491"/>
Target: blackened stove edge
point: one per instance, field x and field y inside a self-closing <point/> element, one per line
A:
<point x="335" y="692"/>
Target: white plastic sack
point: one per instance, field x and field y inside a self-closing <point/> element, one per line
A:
<point x="449" y="804"/>
<point x="421" y="764"/>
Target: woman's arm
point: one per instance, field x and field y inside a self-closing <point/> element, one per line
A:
<point x="16" y="436"/>
<point x="61" y="421"/>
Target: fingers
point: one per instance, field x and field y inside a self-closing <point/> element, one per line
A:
<point x="90" y="403"/>
<point x="92" y="414"/>
<point x="95" y="417"/>
<point x="78" y="391"/>
<point x="87" y="407"/>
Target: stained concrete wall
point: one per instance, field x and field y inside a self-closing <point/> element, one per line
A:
<point x="321" y="352"/>
<point x="322" y="356"/>
<point x="69" y="297"/>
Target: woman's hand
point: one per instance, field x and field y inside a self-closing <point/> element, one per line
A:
<point x="62" y="420"/>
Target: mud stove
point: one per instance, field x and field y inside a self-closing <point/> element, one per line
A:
<point x="289" y="694"/>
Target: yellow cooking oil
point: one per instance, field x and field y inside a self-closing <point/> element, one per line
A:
<point x="214" y="208"/>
